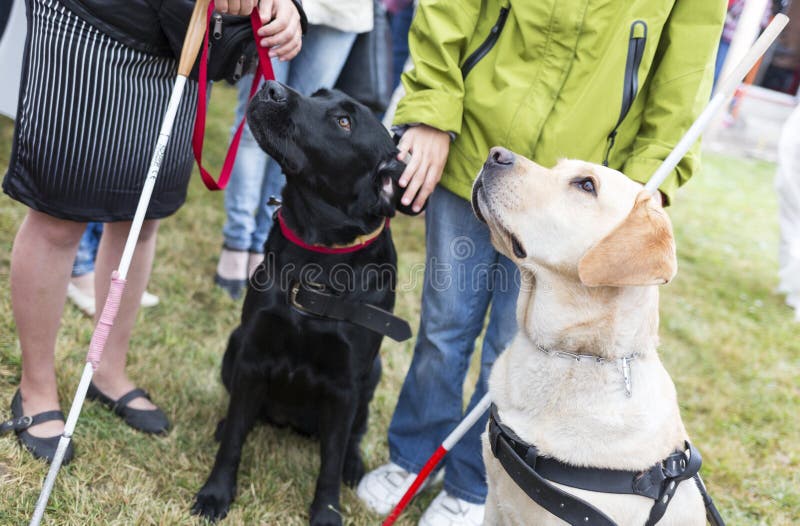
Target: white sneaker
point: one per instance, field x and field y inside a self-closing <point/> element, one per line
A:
<point x="149" y="300"/>
<point x="382" y="488"/>
<point x="82" y="300"/>
<point x="253" y="261"/>
<point x="446" y="510"/>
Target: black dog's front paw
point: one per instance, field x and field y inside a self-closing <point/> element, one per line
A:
<point x="353" y="469"/>
<point x="212" y="505"/>
<point x="325" y="516"/>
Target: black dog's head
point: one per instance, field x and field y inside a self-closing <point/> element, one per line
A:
<point x="331" y="148"/>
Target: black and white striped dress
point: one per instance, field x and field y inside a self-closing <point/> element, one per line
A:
<point x="87" y="122"/>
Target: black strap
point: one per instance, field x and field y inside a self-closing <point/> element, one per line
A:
<point x="314" y="300"/>
<point x="124" y="400"/>
<point x="712" y="514"/>
<point x="567" y="507"/>
<point x="647" y="483"/>
<point x="533" y="474"/>
<point x="24" y="422"/>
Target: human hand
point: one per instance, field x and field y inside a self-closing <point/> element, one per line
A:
<point x="235" y="7"/>
<point x="428" y="148"/>
<point x="281" y="31"/>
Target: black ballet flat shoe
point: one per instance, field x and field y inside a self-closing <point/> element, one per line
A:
<point x="234" y="287"/>
<point x="40" y="447"/>
<point x="152" y="421"/>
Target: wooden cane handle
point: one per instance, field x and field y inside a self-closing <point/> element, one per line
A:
<point x="194" y="37"/>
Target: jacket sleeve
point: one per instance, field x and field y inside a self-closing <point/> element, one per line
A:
<point x="679" y="90"/>
<point x="437" y="42"/>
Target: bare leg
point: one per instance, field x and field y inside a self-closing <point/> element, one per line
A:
<point x="41" y="264"/>
<point x="110" y="376"/>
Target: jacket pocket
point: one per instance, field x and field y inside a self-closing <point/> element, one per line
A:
<point x="486" y="45"/>
<point x="630" y="87"/>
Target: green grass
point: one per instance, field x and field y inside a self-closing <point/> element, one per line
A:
<point x="728" y="342"/>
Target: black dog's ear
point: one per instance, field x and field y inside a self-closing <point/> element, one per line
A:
<point x="389" y="173"/>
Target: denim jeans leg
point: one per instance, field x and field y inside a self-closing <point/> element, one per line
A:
<point x="244" y="186"/>
<point x="87" y="250"/>
<point x="400" y="23"/>
<point x="455" y="299"/>
<point x="318" y="65"/>
<point x="465" y="473"/>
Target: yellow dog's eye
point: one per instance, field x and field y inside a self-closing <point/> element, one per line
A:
<point x="586" y="184"/>
<point x="344" y="123"/>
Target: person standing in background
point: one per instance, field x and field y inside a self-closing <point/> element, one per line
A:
<point x="615" y="82"/>
<point x="333" y="26"/>
<point x="401" y="12"/>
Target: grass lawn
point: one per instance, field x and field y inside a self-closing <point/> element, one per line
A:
<point x="727" y="340"/>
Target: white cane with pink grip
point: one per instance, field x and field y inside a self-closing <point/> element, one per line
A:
<point x="725" y="91"/>
<point x="191" y="45"/>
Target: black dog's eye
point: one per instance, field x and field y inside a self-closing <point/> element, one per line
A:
<point x="344" y="123"/>
<point x="586" y="184"/>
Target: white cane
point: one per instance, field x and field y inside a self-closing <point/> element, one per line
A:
<point x="191" y="45"/>
<point x="726" y="89"/>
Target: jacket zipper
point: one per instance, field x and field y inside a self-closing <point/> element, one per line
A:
<point x="486" y="45"/>
<point x="636" y="43"/>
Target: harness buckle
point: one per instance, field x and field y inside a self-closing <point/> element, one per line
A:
<point x="295" y="290"/>
<point x="293" y="296"/>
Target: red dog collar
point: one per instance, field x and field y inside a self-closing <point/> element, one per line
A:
<point x="360" y="242"/>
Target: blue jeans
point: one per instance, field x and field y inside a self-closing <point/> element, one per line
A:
<point x="400" y="23"/>
<point x="87" y="250"/>
<point x="722" y="53"/>
<point x="255" y="177"/>
<point x="463" y="276"/>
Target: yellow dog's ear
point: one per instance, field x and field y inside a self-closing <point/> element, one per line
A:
<point x="639" y="251"/>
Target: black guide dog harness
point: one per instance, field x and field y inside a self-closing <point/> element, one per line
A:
<point x="533" y="474"/>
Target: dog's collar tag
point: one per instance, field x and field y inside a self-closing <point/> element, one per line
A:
<point x="626" y="374"/>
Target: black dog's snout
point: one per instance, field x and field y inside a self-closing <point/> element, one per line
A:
<point x="501" y="156"/>
<point x="275" y="91"/>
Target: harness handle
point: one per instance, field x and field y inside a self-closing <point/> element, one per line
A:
<point x="264" y="71"/>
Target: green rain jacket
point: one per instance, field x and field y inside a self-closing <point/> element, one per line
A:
<point x="616" y="81"/>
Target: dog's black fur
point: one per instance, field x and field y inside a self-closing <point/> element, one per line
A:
<point x="286" y="367"/>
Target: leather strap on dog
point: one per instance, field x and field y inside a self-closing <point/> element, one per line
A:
<point x="521" y="468"/>
<point x="534" y="474"/>
<point x="264" y="71"/>
<point x="313" y="299"/>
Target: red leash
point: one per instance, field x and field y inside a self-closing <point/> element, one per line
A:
<point x="264" y="71"/>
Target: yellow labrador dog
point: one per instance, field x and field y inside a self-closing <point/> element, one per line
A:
<point x="582" y="381"/>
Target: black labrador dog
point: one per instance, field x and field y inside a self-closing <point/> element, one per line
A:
<point x="306" y="352"/>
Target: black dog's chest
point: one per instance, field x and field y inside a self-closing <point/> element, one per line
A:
<point x="294" y="347"/>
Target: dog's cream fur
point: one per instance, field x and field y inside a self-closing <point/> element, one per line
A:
<point x="589" y="276"/>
